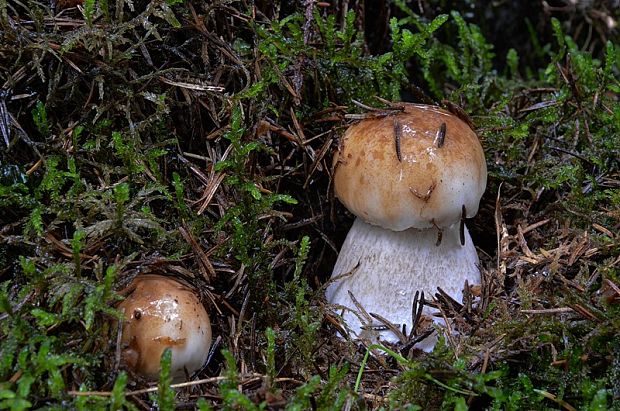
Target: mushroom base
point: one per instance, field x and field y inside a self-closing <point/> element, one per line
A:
<point x="383" y="269"/>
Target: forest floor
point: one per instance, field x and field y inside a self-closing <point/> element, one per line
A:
<point x="195" y="140"/>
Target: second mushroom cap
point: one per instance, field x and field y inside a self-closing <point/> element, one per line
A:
<point x="162" y="313"/>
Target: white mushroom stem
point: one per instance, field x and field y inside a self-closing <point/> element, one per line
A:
<point x="387" y="267"/>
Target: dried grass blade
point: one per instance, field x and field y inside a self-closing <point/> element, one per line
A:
<point x="206" y="268"/>
<point x="209" y="192"/>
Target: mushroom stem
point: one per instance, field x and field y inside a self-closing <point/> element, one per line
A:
<point x="387" y="268"/>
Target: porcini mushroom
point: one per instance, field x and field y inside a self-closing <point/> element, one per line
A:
<point x="162" y="313"/>
<point x="411" y="178"/>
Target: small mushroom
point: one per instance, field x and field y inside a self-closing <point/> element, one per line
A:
<point x="162" y="313"/>
<point x="410" y="203"/>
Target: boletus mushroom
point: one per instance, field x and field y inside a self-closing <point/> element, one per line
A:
<point x="161" y="313"/>
<point x="411" y="178"/>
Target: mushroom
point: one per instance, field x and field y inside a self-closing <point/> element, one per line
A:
<point x="163" y="313"/>
<point x="411" y="178"/>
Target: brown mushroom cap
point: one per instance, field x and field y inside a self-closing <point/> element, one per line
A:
<point x="162" y="313"/>
<point x="394" y="172"/>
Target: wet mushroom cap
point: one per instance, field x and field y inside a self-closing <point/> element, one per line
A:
<point x="162" y="313"/>
<point x="413" y="169"/>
